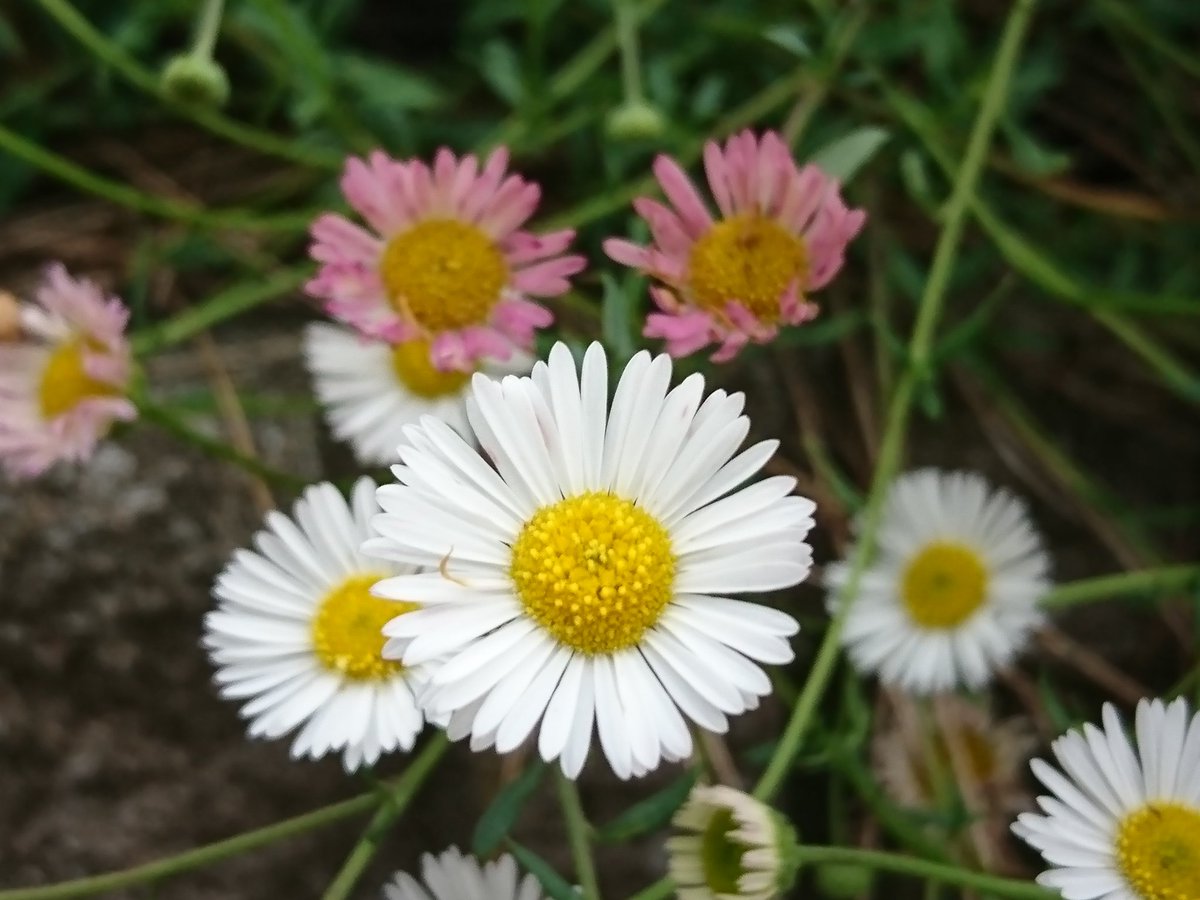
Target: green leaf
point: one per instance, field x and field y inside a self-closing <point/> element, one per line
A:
<point x="499" y="818"/>
<point x="844" y="157"/>
<point x="556" y="886"/>
<point x="617" y="315"/>
<point x="383" y="84"/>
<point x="501" y="69"/>
<point x="650" y="814"/>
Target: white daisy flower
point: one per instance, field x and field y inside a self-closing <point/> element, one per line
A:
<point x="453" y="876"/>
<point x="586" y="578"/>
<point x="296" y="633"/>
<point x="952" y="593"/>
<point x="733" y="846"/>
<point x="371" y="389"/>
<point x="1124" y="821"/>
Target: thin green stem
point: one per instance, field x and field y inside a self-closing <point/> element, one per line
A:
<point x="233" y="301"/>
<point x="173" y="424"/>
<point x="1161" y="578"/>
<point x="627" y="40"/>
<point x="920" y="345"/>
<point x="207" y="28"/>
<point x="99" y="45"/>
<point x="578" y="835"/>
<point x="200" y="856"/>
<point x="661" y="889"/>
<point x="920" y="868"/>
<point x="398" y="799"/>
<point x="84" y="180"/>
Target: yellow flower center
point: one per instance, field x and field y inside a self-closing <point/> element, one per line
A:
<point x="65" y="382"/>
<point x="747" y="258"/>
<point x="944" y="585"/>
<point x="347" y="631"/>
<point x="594" y="570"/>
<point x="1158" y="850"/>
<point x="443" y="273"/>
<point x="720" y="855"/>
<point x="411" y="363"/>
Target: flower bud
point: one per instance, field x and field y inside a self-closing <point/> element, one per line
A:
<point x="195" y="81"/>
<point x="635" y="120"/>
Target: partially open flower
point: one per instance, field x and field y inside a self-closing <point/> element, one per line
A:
<point x="782" y="234"/>
<point x="732" y="846"/>
<point x="64" y="376"/>
<point x="446" y="260"/>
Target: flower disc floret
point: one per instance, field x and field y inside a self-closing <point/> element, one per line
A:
<point x="1158" y="849"/>
<point x="347" y="630"/>
<point x="944" y="585"/>
<point x="443" y="273"/>
<point x="749" y="259"/>
<point x="412" y="365"/>
<point x="594" y="570"/>
<point x="65" y="380"/>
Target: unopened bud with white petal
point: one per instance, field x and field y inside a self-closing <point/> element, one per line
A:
<point x="731" y="845"/>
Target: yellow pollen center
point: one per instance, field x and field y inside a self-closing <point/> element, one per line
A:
<point x="411" y="363"/>
<point x="65" y="383"/>
<point x="747" y="258"/>
<point x="594" y="570"/>
<point x="1158" y="850"/>
<point x="944" y="585"/>
<point x="444" y="273"/>
<point x="347" y="631"/>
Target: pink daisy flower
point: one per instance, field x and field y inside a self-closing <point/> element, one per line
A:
<point x="63" y="379"/>
<point x="782" y="233"/>
<point x="445" y="260"/>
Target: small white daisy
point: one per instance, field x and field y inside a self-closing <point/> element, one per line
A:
<point x="296" y="633"/>
<point x="453" y="876"/>
<point x="952" y="593"/>
<point x="586" y="578"/>
<point x="733" y="846"/>
<point x="1124" y="821"/>
<point x="371" y="389"/>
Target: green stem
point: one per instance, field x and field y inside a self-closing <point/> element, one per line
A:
<point x="1162" y="578"/>
<point x="627" y="40"/>
<point x="660" y="890"/>
<point x="207" y="27"/>
<point x="69" y="19"/>
<point x="173" y="424"/>
<point x="88" y="182"/>
<point x="397" y="802"/>
<point x="228" y="303"/>
<point x="199" y="856"/>
<point x="920" y="868"/>
<point x="920" y="345"/>
<point x="578" y="835"/>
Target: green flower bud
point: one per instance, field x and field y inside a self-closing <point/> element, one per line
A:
<point x="635" y="120"/>
<point x="195" y="81"/>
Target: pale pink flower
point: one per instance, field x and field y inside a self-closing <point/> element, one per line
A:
<point x="63" y="380"/>
<point x="444" y="260"/>
<point x="782" y="233"/>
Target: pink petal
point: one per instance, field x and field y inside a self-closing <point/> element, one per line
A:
<point x="549" y="278"/>
<point x="683" y="196"/>
<point x="627" y="253"/>
<point x="522" y="246"/>
<point x="684" y="334"/>
<point x="717" y="171"/>
<point x="665" y="227"/>
<point x="510" y="208"/>
<point x="338" y="240"/>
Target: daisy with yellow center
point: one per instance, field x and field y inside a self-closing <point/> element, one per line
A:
<point x="952" y="593"/>
<point x="371" y="389"/>
<point x="782" y="234"/>
<point x="444" y="260"/>
<point x="1124" y="819"/>
<point x="584" y="577"/>
<point x="297" y="633"/>
<point x="64" y="375"/>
